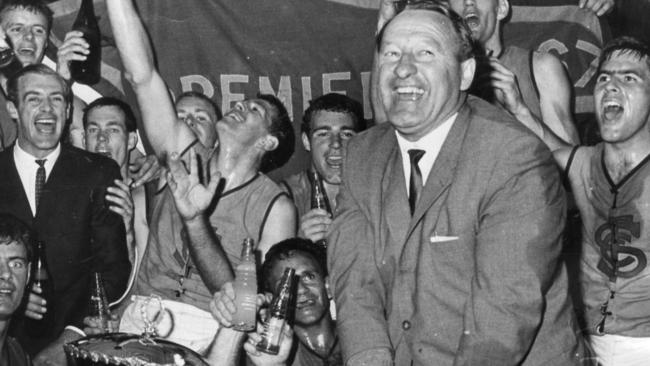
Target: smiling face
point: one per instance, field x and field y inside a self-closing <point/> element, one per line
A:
<point x="27" y="31"/>
<point x="622" y="98"/>
<point x="482" y="16"/>
<point x="106" y="134"/>
<point x="312" y="302"/>
<point x="420" y="76"/>
<point x="14" y="270"/>
<point x="327" y="142"/>
<point x="247" y="124"/>
<point x="200" y="117"/>
<point x="41" y="111"/>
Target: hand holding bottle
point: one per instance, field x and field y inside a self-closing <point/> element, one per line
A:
<point x="264" y="359"/>
<point x="36" y="305"/>
<point x="74" y="48"/>
<point x="315" y="224"/>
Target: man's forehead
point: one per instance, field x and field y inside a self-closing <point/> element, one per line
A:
<point x="325" y="119"/>
<point x="33" y="81"/>
<point x="107" y="115"/>
<point x="626" y="60"/>
<point x="421" y="21"/>
<point x="19" y="14"/>
<point x="13" y="249"/>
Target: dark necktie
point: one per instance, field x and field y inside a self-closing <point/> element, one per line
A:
<point x="40" y="180"/>
<point x="415" y="183"/>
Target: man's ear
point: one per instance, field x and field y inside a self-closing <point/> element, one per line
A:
<point x="467" y="69"/>
<point x="503" y="8"/>
<point x="268" y="142"/>
<point x="132" y="140"/>
<point x="13" y="111"/>
<point x="305" y="141"/>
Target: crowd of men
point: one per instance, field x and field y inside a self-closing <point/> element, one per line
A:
<point x="444" y="245"/>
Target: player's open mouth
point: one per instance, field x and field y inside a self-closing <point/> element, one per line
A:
<point x="612" y="110"/>
<point x="334" y="161"/>
<point x="472" y="20"/>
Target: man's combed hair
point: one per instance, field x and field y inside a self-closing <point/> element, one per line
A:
<point x="40" y="69"/>
<point x="288" y="249"/>
<point x="282" y="128"/>
<point x="625" y="45"/>
<point x="334" y="102"/>
<point x="129" y="116"/>
<point x="466" y="48"/>
<point x="34" y="6"/>
<point x="14" y="230"/>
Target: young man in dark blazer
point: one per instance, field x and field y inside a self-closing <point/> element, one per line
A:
<point x="64" y="204"/>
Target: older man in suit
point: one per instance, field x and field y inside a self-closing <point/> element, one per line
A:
<point x="60" y="192"/>
<point x="445" y="245"/>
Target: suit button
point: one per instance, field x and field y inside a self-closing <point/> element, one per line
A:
<point x="406" y="325"/>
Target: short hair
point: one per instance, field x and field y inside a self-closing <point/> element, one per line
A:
<point x="282" y="128"/>
<point x="625" y="45"/>
<point x="14" y="230"/>
<point x="287" y="249"/>
<point x="40" y="69"/>
<point x="203" y="97"/>
<point x="129" y="116"/>
<point x="334" y="102"/>
<point x="466" y="47"/>
<point x="34" y="6"/>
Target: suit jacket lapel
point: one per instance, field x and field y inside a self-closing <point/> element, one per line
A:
<point x="394" y="187"/>
<point x="59" y="178"/>
<point x="444" y="168"/>
<point x="21" y="207"/>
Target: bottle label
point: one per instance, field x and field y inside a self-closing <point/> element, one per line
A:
<point x="273" y="331"/>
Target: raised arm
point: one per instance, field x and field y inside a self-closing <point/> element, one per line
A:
<point x="508" y="94"/>
<point x="192" y="199"/>
<point x="165" y="133"/>
<point x="555" y="96"/>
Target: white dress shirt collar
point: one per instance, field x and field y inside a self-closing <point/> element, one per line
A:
<point x="27" y="167"/>
<point x="431" y="143"/>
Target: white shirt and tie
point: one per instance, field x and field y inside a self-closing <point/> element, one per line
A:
<point x="27" y="167"/>
<point x="431" y="143"/>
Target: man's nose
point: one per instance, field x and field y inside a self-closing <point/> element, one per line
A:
<point x="335" y="140"/>
<point x="406" y="66"/>
<point x="5" y="271"/>
<point x="101" y="136"/>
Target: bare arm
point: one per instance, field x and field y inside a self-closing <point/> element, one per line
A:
<point x="555" y="96"/>
<point x="192" y="199"/>
<point x="280" y="224"/>
<point x="161" y="126"/>
<point x="508" y="94"/>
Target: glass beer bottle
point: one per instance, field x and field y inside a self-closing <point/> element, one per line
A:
<point x="279" y="312"/>
<point x="41" y="277"/>
<point x="319" y="198"/>
<point x="99" y="307"/>
<point x="9" y="63"/>
<point x="245" y="287"/>
<point x="87" y="71"/>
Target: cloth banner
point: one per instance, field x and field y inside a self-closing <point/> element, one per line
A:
<point x="300" y="49"/>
